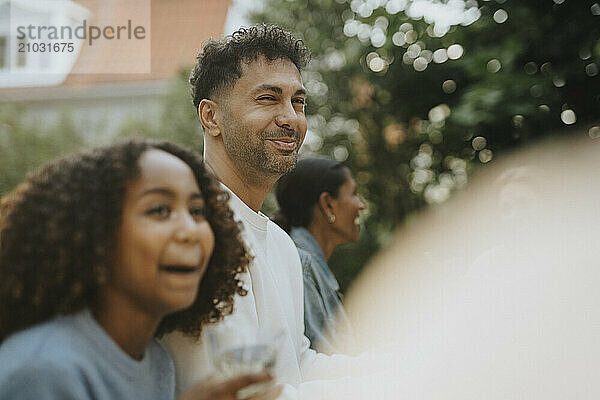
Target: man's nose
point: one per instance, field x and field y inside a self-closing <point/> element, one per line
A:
<point x="362" y="204"/>
<point x="287" y="116"/>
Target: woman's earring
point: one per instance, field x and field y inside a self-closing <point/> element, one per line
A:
<point x="331" y="218"/>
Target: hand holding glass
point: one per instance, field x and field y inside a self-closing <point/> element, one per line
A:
<point x="236" y="352"/>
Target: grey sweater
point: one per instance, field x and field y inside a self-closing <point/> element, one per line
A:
<point x="72" y="358"/>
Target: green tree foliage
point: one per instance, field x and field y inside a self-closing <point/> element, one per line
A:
<point x="27" y="143"/>
<point x="25" y="146"/>
<point x="178" y="121"/>
<point x="414" y="104"/>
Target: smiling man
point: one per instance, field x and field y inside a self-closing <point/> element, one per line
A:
<point x="250" y="99"/>
<point x="255" y="126"/>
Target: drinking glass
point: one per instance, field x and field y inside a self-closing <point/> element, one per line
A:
<point x="236" y="352"/>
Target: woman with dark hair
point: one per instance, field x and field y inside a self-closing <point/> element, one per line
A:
<point x="319" y="208"/>
<point x="101" y="251"/>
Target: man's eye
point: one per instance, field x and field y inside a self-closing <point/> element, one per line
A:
<point x="267" y="98"/>
<point x="160" y="211"/>
<point x="299" y="101"/>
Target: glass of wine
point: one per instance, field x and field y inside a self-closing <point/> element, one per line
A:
<point x="236" y="352"/>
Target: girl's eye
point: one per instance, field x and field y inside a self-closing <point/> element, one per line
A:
<point x="197" y="212"/>
<point x="161" y="211"/>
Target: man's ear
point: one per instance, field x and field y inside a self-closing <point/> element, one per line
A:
<point x="208" y="112"/>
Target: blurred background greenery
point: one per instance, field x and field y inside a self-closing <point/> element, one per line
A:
<point x="413" y="96"/>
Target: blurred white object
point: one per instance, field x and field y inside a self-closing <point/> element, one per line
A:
<point x="496" y="294"/>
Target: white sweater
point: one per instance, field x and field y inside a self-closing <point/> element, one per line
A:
<point x="274" y="303"/>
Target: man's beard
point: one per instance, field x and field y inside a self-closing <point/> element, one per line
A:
<point x="254" y="152"/>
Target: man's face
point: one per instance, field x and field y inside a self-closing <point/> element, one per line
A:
<point x="263" y="122"/>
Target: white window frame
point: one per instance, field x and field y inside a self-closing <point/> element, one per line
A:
<point x="36" y="71"/>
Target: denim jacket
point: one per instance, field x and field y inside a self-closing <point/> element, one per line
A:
<point x="325" y="321"/>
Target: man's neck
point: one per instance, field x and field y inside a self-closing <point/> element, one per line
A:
<point x="251" y="188"/>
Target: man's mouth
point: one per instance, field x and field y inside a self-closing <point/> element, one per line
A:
<point x="285" y="143"/>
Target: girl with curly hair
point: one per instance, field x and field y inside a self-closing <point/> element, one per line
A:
<point x="101" y="251"/>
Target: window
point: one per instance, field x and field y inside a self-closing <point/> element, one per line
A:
<point x="30" y="67"/>
<point x="4" y="61"/>
<point x="21" y="55"/>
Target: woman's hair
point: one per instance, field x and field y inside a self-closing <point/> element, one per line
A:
<point x="58" y="233"/>
<point x="298" y="191"/>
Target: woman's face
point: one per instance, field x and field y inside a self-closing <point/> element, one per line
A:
<point x="164" y="242"/>
<point x="346" y="209"/>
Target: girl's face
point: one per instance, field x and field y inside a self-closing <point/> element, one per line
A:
<point x="164" y="242"/>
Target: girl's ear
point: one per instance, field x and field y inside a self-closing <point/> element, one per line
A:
<point x="208" y="113"/>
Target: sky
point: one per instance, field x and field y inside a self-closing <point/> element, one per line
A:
<point x="452" y="12"/>
<point x="237" y="11"/>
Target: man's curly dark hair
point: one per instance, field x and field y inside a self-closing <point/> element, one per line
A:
<point x="58" y="233"/>
<point x="218" y="65"/>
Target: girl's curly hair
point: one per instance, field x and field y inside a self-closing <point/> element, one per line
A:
<point x="58" y="237"/>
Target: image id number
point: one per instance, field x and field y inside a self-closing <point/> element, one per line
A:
<point x="56" y="47"/>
